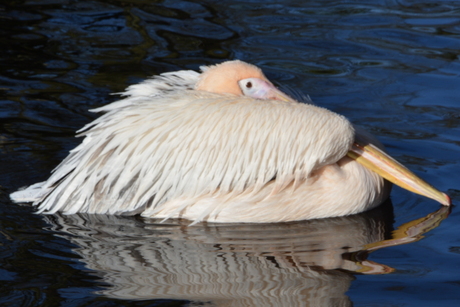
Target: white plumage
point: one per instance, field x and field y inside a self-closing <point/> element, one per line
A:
<point x="170" y="149"/>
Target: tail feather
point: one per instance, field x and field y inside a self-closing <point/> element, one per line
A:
<point x="29" y="194"/>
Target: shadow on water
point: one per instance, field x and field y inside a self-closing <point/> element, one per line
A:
<point x="308" y="263"/>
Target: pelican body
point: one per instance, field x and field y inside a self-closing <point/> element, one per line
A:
<point x="223" y="145"/>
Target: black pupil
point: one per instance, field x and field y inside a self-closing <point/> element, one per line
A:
<point x="249" y="84"/>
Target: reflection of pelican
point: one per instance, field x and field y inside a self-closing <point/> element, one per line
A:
<point x="307" y="263"/>
<point x="224" y="146"/>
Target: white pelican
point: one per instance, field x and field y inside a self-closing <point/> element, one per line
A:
<point x="221" y="146"/>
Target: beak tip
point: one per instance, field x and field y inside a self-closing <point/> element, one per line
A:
<point x="447" y="202"/>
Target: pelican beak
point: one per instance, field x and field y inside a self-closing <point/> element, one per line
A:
<point x="376" y="160"/>
<point x="276" y="94"/>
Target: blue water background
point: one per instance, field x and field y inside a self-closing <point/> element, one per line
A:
<point x="390" y="66"/>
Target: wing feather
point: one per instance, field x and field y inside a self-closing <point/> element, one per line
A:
<point x="152" y="149"/>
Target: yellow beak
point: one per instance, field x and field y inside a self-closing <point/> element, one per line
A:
<point x="381" y="163"/>
<point x="376" y="160"/>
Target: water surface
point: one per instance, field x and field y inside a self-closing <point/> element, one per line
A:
<point x="390" y="66"/>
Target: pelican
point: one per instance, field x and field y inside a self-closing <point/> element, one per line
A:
<point x="223" y="145"/>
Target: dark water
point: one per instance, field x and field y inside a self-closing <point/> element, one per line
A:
<point x="390" y="66"/>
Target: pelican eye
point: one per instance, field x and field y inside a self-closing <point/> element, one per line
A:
<point x="254" y="87"/>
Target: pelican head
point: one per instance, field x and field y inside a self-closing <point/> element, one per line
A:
<point x="239" y="78"/>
